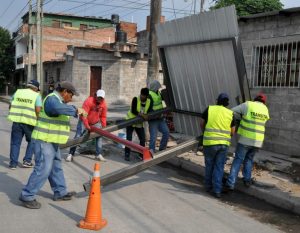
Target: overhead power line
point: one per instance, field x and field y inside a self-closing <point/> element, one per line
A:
<point x="165" y="9"/>
<point x="3" y="13"/>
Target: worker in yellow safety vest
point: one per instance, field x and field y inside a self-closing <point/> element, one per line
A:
<point x="51" y="130"/>
<point x="159" y="123"/>
<point x="23" y="112"/>
<point x="139" y="107"/>
<point x="218" y="126"/>
<point x="251" y="132"/>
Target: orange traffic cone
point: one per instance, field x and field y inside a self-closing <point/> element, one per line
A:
<point x="93" y="216"/>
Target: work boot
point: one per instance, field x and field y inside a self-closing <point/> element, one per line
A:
<point x="31" y="204"/>
<point x="248" y="183"/>
<point x="100" y="157"/>
<point x="27" y="164"/>
<point x="66" y="197"/>
<point x="217" y="195"/>
<point x="69" y="158"/>
<point x="12" y="167"/>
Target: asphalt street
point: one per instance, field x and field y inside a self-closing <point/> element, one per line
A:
<point x="157" y="200"/>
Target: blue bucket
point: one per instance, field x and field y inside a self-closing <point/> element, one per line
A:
<point x="123" y="136"/>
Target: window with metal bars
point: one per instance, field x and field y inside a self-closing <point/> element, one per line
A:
<point x="276" y="65"/>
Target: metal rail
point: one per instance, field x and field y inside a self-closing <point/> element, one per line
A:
<point x="121" y="125"/>
<point x="143" y="165"/>
<point x="136" y="147"/>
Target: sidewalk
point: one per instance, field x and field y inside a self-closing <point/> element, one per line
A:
<point x="277" y="176"/>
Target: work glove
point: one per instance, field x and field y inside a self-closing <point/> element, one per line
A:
<point x="82" y="112"/>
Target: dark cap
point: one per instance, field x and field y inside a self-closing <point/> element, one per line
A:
<point x="69" y="86"/>
<point x="261" y="97"/>
<point x="33" y="84"/>
<point x="222" y="96"/>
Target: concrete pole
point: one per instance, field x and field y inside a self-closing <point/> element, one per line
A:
<point x="202" y="5"/>
<point x="153" y="58"/>
<point x="39" y="45"/>
<point x="29" y="72"/>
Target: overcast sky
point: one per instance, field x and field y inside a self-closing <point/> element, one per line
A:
<point x="128" y="10"/>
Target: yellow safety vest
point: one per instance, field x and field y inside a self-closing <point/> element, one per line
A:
<point x="52" y="129"/>
<point x="130" y="115"/>
<point x="218" y="127"/>
<point x="22" y="109"/>
<point x="157" y="100"/>
<point x="252" y="125"/>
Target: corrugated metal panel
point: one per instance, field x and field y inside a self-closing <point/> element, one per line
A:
<point x="200" y="55"/>
<point x="221" y="23"/>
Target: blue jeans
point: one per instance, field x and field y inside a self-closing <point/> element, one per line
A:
<point x="161" y="126"/>
<point x="18" y="130"/>
<point x="215" y="158"/>
<point x="80" y="131"/>
<point x="47" y="166"/>
<point x="243" y="154"/>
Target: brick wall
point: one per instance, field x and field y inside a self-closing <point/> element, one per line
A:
<point x="283" y="130"/>
<point x="130" y="29"/>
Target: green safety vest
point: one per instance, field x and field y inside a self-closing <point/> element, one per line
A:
<point x="52" y="129"/>
<point x="130" y="115"/>
<point x="218" y="127"/>
<point x="252" y="125"/>
<point x="157" y="100"/>
<point x="22" y="109"/>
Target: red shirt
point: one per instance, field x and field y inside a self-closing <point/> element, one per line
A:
<point x="96" y="112"/>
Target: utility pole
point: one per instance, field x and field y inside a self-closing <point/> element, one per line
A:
<point x="39" y="67"/>
<point x="29" y="72"/>
<point x="153" y="58"/>
<point x="202" y="5"/>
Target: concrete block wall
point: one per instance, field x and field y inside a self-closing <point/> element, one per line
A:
<point x="283" y="130"/>
<point x="122" y="78"/>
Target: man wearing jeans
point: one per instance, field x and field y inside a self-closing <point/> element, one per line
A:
<point x="51" y="130"/>
<point x="158" y="124"/>
<point x="218" y="126"/>
<point x="253" y="115"/>
<point x="96" y="109"/>
<point x="23" y="112"/>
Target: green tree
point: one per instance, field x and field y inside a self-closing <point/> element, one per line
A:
<point x="249" y="7"/>
<point x="7" y="64"/>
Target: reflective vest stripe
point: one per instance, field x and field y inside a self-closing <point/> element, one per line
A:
<point x="217" y="138"/>
<point x="51" y="131"/>
<point x="130" y="115"/>
<point x="252" y="130"/>
<point x="252" y="126"/>
<point x="157" y="100"/>
<point x="218" y="127"/>
<point x="254" y="122"/>
<point x="218" y="131"/>
<point x="22" y="115"/>
<point x="22" y="107"/>
<point x="52" y="121"/>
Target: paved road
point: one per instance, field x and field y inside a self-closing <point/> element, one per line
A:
<point x="158" y="200"/>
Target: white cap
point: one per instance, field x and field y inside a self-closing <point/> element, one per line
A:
<point x="100" y="93"/>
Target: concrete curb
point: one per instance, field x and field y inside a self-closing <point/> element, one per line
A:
<point x="271" y="195"/>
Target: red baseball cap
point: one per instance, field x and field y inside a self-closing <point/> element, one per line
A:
<point x="262" y="97"/>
